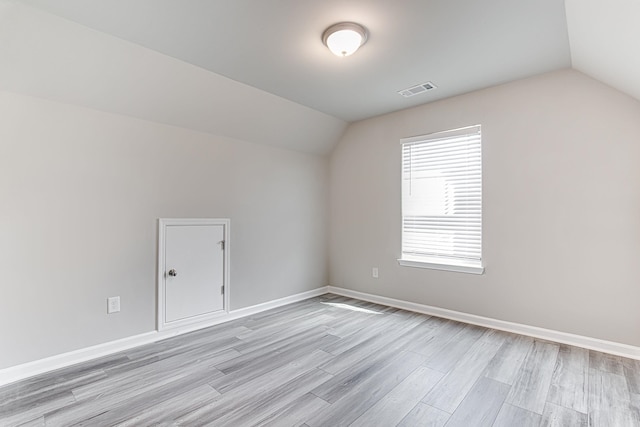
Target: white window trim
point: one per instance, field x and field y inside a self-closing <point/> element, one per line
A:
<point x="435" y="264"/>
<point x="438" y="263"/>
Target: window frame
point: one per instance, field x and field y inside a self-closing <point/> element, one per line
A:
<point x="440" y="263"/>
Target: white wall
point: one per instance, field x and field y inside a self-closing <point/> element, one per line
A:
<point x="561" y="207"/>
<point x="80" y="195"/>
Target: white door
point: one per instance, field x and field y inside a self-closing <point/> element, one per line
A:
<point x="193" y="270"/>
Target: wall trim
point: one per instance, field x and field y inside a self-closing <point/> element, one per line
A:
<point x="618" y="349"/>
<point x="30" y="369"/>
<point x="36" y="367"/>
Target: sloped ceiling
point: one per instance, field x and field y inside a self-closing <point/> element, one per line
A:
<point x="275" y="45"/>
<point x="605" y="41"/>
<point x="49" y="57"/>
<point x="257" y="70"/>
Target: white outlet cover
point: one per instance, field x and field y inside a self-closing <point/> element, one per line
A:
<point x="374" y="272"/>
<point x="113" y="305"/>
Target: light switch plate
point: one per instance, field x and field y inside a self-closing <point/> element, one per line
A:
<point x="113" y="305"/>
<point x="374" y="272"/>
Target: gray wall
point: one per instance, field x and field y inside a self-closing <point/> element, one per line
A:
<point x="81" y="192"/>
<point x="561" y="207"/>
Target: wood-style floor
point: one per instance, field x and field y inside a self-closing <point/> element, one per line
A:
<point x="334" y="361"/>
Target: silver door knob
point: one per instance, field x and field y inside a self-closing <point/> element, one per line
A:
<point x="173" y="273"/>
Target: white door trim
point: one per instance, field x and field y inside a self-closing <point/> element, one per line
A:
<point x="205" y="318"/>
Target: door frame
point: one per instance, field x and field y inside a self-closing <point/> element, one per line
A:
<point x="203" y="319"/>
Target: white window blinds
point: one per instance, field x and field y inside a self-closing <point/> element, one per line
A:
<point x="442" y="198"/>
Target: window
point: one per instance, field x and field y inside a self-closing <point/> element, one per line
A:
<point x="442" y="201"/>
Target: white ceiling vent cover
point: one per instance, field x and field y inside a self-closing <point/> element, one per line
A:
<point x="414" y="90"/>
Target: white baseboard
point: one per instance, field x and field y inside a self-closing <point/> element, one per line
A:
<point x="610" y="347"/>
<point x="26" y="370"/>
<point x="29" y="369"/>
<point x="248" y="311"/>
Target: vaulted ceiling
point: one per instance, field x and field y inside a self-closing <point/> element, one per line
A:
<point x="605" y="41"/>
<point x="210" y="56"/>
<point x="460" y="45"/>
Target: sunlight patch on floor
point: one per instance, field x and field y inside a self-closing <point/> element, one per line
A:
<point x="351" y="307"/>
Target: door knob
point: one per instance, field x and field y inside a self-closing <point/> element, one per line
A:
<point x="173" y="273"/>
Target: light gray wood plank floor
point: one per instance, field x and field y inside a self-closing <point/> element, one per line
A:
<point x="335" y="361"/>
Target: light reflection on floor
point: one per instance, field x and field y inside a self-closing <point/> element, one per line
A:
<point x="351" y="307"/>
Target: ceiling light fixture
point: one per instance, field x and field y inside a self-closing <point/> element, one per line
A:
<point x="344" y="38"/>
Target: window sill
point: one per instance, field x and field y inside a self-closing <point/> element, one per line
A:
<point x="435" y="265"/>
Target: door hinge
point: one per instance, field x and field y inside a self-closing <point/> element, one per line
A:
<point x="222" y="289"/>
<point x="221" y="242"/>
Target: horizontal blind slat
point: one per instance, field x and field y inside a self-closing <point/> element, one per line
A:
<point x="442" y="195"/>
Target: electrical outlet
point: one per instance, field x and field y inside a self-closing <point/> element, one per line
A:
<point x="374" y="272"/>
<point x="113" y="305"/>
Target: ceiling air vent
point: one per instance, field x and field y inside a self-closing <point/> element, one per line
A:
<point x="414" y="90"/>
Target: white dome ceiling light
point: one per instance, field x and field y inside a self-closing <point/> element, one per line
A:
<point x="344" y="38"/>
